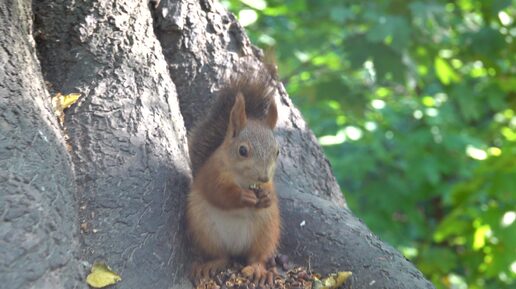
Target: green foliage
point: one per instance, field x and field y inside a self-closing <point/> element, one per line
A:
<point x="414" y="103"/>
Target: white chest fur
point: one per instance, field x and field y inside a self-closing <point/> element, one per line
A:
<point x="232" y="230"/>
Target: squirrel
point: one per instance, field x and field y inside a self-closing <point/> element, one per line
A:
<point x="232" y="208"/>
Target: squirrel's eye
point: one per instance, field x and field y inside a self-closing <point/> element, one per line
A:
<point x="242" y="150"/>
<point x="277" y="153"/>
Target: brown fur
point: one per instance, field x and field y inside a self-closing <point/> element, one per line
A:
<point x="225" y="218"/>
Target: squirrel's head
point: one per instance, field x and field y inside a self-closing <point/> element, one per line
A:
<point x="249" y="145"/>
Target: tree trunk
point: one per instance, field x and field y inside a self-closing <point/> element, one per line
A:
<point x="118" y="193"/>
<point x="38" y="202"/>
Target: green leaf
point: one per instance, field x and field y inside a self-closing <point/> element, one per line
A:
<point x="391" y="27"/>
<point x="256" y="4"/>
<point x="445" y="72"/>
<point x="438" y="260"/>
<point x="341" y="14"/>
<point x="455" y="224"/>
<point x="479" y="238"/>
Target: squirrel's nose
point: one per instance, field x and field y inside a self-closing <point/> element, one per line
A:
<point x="264" y="179"/>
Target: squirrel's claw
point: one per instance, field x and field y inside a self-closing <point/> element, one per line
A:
<point x="207" y="270"/>
<point x="260" y="276"/>
<point x="264" y="200"/>
<point x="248" y="198"/>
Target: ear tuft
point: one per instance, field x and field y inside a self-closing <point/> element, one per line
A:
<point x="272" y="115"/>
<point x="237" y="118"/>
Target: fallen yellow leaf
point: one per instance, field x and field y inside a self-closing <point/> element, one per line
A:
<point x="101" y="276"/>
<point x="342" y="277"/>
<point x="334" y="281"/>
<point x="69" y="99"/>
<point x="329" y="282"/>
<point x="61" y="102"/>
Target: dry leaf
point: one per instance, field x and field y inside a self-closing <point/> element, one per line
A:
<point x="334" y="281"/>
<point x="61" y="102"/>
<point x="69" y="99"/>
<point x="342" y="277"/>
<point x="101" y="276"/>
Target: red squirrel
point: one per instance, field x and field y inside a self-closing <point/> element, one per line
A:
<point x="232" y="208"/>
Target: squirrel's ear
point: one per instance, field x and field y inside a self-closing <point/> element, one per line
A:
<point x="237" y="118"/>
<point x="272" y="115"/>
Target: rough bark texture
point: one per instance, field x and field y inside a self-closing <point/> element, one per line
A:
<point x="332" y="239"/>
<point x="127" y="136"/>
<point x="38" y="204"/>
<point x="124" y="179"/>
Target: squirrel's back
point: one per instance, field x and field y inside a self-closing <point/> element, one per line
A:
<point x="257" y="87"/>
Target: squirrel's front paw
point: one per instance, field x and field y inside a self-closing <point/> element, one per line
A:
<point x="207" y="270"/>
<point x="259" y="275"/>
<point x="264" y="198"/>
<point x="248" y="198"/>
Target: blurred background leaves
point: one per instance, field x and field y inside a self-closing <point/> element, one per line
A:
<point x="414" y="103"/>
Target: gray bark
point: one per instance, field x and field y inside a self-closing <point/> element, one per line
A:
<point x="38" y="202"/>
<point x="125" y="176"/>
<point x="126" y="133"/>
